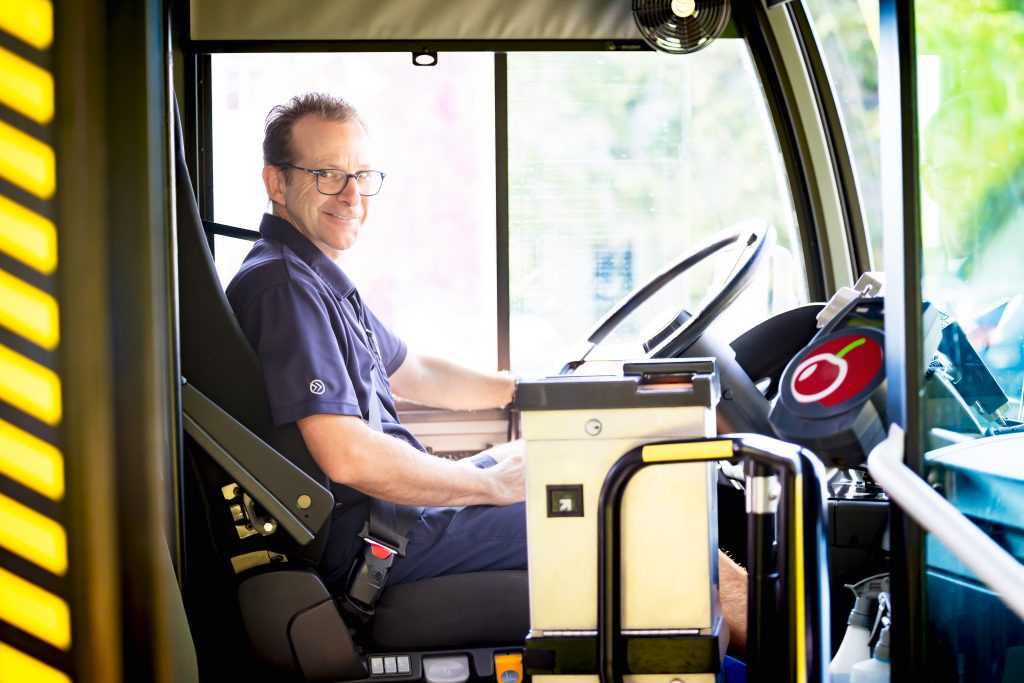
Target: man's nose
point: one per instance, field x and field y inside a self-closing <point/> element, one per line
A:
<point x="350" y="193"/>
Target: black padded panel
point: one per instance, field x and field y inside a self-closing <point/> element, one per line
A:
<point x="765" y="350"/>
<point x="462" y="610"/>
<point x="338" y="661"/>
<point x="270" y="601"/>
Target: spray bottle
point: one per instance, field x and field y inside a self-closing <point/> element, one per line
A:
<point x="854" y="647"/>
<point x="877" y="669"/>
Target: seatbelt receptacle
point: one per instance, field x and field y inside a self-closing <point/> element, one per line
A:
<point x="370" y="573"/>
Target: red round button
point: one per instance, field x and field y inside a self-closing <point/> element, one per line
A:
<point x="837" y="370"/>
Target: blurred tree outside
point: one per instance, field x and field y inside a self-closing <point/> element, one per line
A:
<point x="973" y="142"/>
<point x="970" y="86"/>
<point x="971" y="94"/>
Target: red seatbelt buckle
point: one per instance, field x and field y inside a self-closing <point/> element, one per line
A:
<point x="379" y="551"/>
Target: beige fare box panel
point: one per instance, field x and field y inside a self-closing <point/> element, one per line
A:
<point x="667" y="565"/>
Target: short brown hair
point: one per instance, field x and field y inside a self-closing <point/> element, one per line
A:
<point x="277" y="134"/>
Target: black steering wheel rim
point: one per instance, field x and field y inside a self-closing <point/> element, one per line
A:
<point x="756" y="236"/>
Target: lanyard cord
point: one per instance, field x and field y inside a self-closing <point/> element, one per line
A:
<point x="370" y="339"/>
<point x="370" y="342"/>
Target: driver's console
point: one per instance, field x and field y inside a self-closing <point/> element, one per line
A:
<point x="832" y="393"/>
<point x="578" y="429"/>
<point x="832" y="400"/>
<point x="622" y="532"/>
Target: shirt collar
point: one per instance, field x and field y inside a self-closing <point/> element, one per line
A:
<point x="275" y="228"/>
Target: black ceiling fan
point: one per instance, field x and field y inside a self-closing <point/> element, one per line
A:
<point x="680" y="26"/>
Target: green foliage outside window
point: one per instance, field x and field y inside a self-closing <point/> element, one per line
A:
<point x="970" y="88"/>
<point x="972" y="147"/>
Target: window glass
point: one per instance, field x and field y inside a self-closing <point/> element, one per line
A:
<point x="970" y="101"/>
<point x="618" y="163"/>
<point x="971" y="123"/>
<point x="847" y="32"/>
<point x="426" y="259"/>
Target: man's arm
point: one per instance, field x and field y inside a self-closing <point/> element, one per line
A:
<point x="382" y="466"/>
<point x="440" y="383"/>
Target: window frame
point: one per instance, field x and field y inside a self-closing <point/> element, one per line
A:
<point x="839" y="148"/>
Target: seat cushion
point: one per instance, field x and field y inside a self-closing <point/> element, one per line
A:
<point x="461" y="610"/>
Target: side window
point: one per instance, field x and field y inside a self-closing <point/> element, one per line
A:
<point x="426" y="258"/>
<point x="971" y="111"/>
<point x="618" y="163"/>
<point x="228" y="255"/>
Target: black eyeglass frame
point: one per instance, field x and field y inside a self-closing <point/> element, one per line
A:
<point x="348" y="176"/>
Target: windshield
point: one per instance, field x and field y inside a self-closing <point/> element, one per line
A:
<point x="606" y="165"/>
<point x="618" y="164"/>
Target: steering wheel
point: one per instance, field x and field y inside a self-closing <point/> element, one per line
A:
<point x="755" y="238"/>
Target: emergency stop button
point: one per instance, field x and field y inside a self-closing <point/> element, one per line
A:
<point x="565" y="500"/>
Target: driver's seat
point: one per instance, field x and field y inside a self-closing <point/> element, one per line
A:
<point x="272" y="617"/>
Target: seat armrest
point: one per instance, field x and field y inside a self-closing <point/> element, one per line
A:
<point x="300" y="504"/>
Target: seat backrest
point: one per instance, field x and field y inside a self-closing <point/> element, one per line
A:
<point x="217" y="359"/>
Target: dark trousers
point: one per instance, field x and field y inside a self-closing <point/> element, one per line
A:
<point x="458" y="540"/>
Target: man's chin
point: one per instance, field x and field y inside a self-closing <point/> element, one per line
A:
<point x="345" y="243"/>
<point x="342" y="237"/>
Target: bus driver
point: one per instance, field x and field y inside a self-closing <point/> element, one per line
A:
<point x="333" y="368"/>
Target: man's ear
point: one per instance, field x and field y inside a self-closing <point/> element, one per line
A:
<point x="274" y="180"/>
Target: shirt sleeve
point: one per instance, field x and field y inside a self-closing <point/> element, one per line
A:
<point x="301" y="353"/>
<point x="392" y="349"/>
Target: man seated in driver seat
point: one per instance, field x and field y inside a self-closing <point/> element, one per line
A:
<point x="331" y="366"/>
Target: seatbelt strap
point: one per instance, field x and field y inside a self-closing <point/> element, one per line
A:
<point x="388" y="524"/>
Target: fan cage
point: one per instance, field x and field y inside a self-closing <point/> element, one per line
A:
<point x="663" y="30"/>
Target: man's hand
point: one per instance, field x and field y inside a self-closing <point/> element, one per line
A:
<point x="508" y="472"/>
<point x="509" y="479"/>
<point x="503" y="450"/>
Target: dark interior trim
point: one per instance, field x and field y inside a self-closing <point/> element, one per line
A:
<point x="229" y="231"/>
<point x="502" y="208"/>
<point x="204" y="181"/>
<point x="904" y="363"/>
<point x="753" y="23"/>
<point x="226" y="46"/>
<point x="197" y="118"/>
<point x="835" y="136"/>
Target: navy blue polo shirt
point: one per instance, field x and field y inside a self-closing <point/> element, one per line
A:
<point x="301" y="314"/>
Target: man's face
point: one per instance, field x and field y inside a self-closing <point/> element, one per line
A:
<point x="332" y="223"/>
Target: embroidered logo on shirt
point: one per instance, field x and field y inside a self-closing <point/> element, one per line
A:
<point x="317" y="387"/>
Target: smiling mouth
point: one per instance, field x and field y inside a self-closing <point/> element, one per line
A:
<point x="342" y="218"/>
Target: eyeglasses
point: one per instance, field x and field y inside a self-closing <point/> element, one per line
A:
<point x="331" y="181"/>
